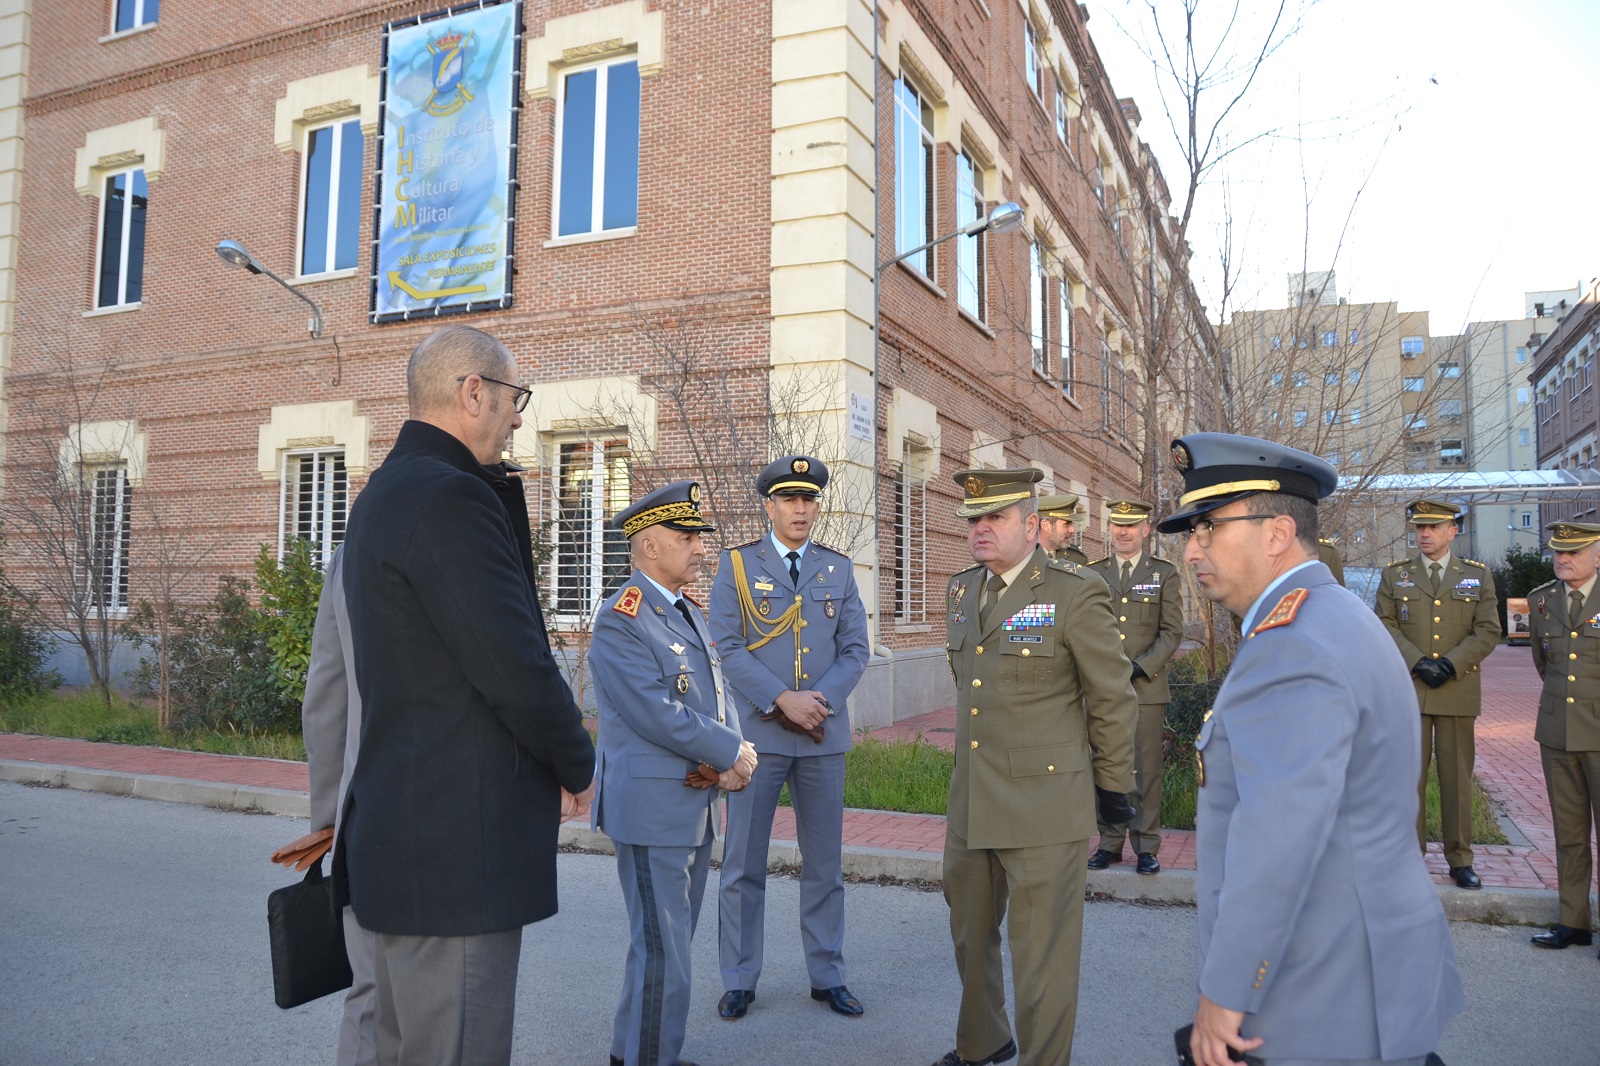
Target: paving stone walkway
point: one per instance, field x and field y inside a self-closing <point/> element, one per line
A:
<point x="1507" y="764"/>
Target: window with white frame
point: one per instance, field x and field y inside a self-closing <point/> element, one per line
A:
<point x="1522" y="395"/>
<point x="1450" y="410"/>
<point x="330" y="197"/>
<point x="1523" y="437"/>
<point x="1067" y="383"/>
<point x="1411" y="538"/>
<point x="1527" y="516"/>
<point x="1329" y="338"/>
<point x="1355" y="336"/>
<point x="1451" y="452"/>
<point x="313" y="501"/>
<point x="1031" y="54"/>
<point x="1333" y="378"/>
<point x="590" y="559"/>
<point x="911" y="535"/>
<point x="110" y="534"/>
<point x="131" y="14"/>
<point x="1355" y="377"/>
<point x="1062" y="125"/>
<point x="1301" y="379"/>
<point x="1572" y="383"/>
<point x="971" y="251"/>
<point x="1039" y="310"/>
<point x="120" y="267"/>
<point x="1277" y="380"/>
<point x="1301" y="418"/>
<point x="1330" y="416"/>
<point x="1522" y="355"/>
<point x="597" y="149"/>
<point x="1358" y="456"/>
<point x="1275" y="341"/>
<point x="1416" y="384"/>
<point x="1411" y="347"/>
<point x="1355" y="416"/>
<point x="913" y="175"/>
<point x="1449" y="370"/>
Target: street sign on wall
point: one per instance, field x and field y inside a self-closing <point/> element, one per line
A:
<point x="444" y="202"/>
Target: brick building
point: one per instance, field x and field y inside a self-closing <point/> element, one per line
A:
<point x="1565" y="411"/>
<point x="715" y="305"/>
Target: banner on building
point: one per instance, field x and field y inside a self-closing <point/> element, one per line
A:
<point x="444" y="202"/>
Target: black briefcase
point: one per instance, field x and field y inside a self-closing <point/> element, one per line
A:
<point x="308" y="959"/>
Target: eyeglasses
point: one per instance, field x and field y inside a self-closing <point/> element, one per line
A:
<point x="1202" y="530"/>
<point x="520" y="403"/>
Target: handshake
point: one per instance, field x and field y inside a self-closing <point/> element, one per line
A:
<point x="733" y="779"/>
<point x="1434" y="672"/>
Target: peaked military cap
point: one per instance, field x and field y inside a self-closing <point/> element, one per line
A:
<point x="1065" y="507"/>
<point x="1128" y="512"/>
<point x="1431" y="512"/>
<point x="1219" y="468"/>
<point x="676" y="506"/>
<point x="1572" y="536"/>
<point x="988" y="491"/>
<point x="793" y="475"/>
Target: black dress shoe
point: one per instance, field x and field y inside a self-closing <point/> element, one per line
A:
<point x="615" y="1061"/>
<point x="1005" y="1054"/>
<point x="839" y="1000"/>
<point x="734" y="1004"/>
<point x="1464" y="877"/>
<point x="1148" y="863"/>
<point x="1099" y="861"/>
<point x="1562" y="936"/>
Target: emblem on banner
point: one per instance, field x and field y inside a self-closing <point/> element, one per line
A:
<point x="449" y="95"/>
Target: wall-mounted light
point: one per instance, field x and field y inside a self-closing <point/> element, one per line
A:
<point x="231" y="251"/>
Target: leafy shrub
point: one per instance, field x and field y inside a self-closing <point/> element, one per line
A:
<point x="289" y="594"/>
<point x="23" y="647"/>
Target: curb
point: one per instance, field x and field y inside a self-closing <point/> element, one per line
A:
<point x="1504" y="906"/>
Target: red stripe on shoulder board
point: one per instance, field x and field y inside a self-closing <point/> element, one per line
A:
<point x="628" y="602"/>
<point x="1284" y="613"/>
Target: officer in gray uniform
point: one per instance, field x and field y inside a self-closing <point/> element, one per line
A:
<point x="1322" y="939"/>
<point x="667" y="744"/>
<point x="792" y="631"/>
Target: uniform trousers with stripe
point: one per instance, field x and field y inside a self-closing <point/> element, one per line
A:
<point x="662" y="887"/>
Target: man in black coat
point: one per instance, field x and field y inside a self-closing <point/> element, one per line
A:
<point x="472" y="747"/>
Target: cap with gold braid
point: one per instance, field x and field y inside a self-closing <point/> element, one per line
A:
<point x="988" y="491"/>
<point x="676" y="506"/>
<point x="1572" y="536"/>
<point x="793" y="475"/>
<point x="1219" y="468"/>
<point x="1128" y="512"/>
<point x="1431" y="512"/>
<point x="1065" y="507"/>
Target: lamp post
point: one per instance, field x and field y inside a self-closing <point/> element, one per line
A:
<point x="231" y="251"/>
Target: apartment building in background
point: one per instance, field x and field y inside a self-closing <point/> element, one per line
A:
<point x="699" y="199"/>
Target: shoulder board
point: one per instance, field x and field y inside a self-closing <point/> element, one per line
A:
<point x="1325" y="540"/>
<point x="1474" y="562"/>
<point x="746" y="544"/>
<point x="828" y="548"/>
<point x="1399" y="564"/>
<point x="1543" y="587"/>
<point x="1284" y="613"/>
<point x="968" y="570"/>
<point x="685" y="594"/>
<point x="1164" y="562"/>
<point x="1065" y="564"/>
<point x="628" y="602"/>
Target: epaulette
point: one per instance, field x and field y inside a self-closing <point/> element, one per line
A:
<point x="1400" y="562"/>
<point x="1284" y="613"/>
<point x="685" y="594"/>
<point x="1547" y="585"/>
<point x="1325" y="540"/>
<point x="628" y="602"/>
<point x="1065" y="564"/>
<point x="1474" y="562"/>
<point x="968" y="570"/>
<point x="829" y="547"/>
<point x="746" y="544"/>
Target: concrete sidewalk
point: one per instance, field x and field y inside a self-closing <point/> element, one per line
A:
<point x="1519" y="878"/>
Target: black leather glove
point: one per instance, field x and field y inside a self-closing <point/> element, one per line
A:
<point x="1138" y="672"/>
<point x="1447" y="666"/>
<point x="1114" y="806"/>
<point x="1430" y="673"/>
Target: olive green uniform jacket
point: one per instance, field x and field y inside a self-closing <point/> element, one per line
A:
<point x="1566" y="652"/>
<point x="1149" y="618"/>
<point x="1039" y="686"/>
<point x="1461" y="623"/>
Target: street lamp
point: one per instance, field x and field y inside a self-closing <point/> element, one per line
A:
<point x="231" y="251"/>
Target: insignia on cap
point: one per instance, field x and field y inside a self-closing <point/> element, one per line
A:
<point x="976" y="486"/>
<point x="1124" y="507"/>
<point x="1180" y="457"/>
<point x="694" y="493"/>
<point x="1565" y="532"/>
<point x="800" y="466"/>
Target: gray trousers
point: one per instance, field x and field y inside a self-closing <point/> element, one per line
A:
<point x="446" y="1000"/>
<point x="816" y="788"/>
<point x="358" y="1027"/>
<point x="662" y="887"/>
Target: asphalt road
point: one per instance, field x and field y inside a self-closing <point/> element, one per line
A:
<point x="135" y="932"/>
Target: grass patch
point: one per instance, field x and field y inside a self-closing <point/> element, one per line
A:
<point x="881" y="775"/>
<point x="1485" y="829"/>
<point x="85" y="716"/>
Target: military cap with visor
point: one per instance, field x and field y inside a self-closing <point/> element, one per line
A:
<point x="1572" y="536"/>
<point x="988" y="491"/>
<point x="1431" y="512"/>
<point x="1219" y="468"/>
<point x="793" y="475"/>
<point x="1128" y="512"/>
<point x="1065" y="506"/>
<point x="676" y="506"/>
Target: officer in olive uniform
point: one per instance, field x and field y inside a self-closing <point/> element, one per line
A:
<point x="1442" y="612"/>
<point x="1044" y="734"/>
<point x="1058" y="524"/>
<point x="1565" y="639"/>
<point x="664" y="725"/>
<point x="1328" y="553"/>
<point x="792" y="630"/>
<point x="1147" y="594"/>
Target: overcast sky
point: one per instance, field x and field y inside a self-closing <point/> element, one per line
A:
<point x="1448" y="151"/>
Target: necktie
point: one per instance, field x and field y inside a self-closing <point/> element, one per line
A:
<point x="1127" y="573"/>
<point x="992" y="590"/>
<point x="1577" y="607"/>
<point x="1434" y="568"/>
<point x="794" y="568"/>
<point x="683" y="609"/>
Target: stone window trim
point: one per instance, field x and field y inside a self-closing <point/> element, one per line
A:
<point x="137" y="145"/>
<point x="603" y="33"/>
<point x="307" y="103"/>
<point x="106" y="444"/>
<point x="306" y="426"/>
<point x="561" y="409"/>
<point x="911" y="419"/>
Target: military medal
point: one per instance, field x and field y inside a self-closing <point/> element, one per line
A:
<point x="683" y="684"/>
<point x="765" y="607"/>
<point x="828" y="609"/>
